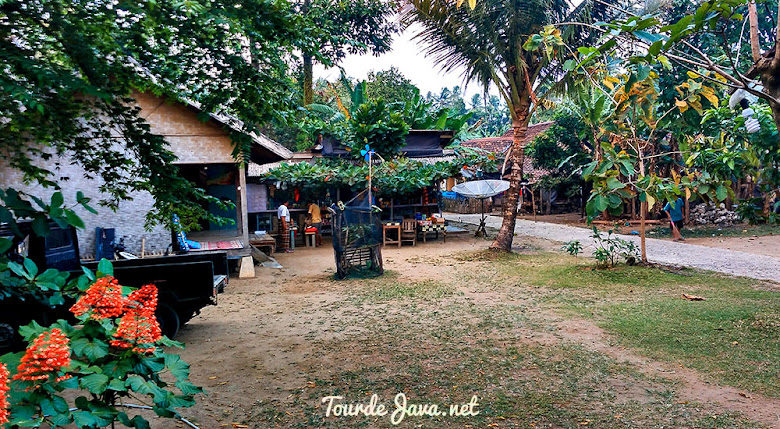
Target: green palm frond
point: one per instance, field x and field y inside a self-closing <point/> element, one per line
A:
<point x="486" y="42"/>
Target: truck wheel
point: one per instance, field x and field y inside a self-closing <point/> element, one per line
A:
<point x="8" y="337"/>
<point x="168" y="319"/>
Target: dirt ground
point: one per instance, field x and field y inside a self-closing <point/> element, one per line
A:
<point x="278" y="343"/>
<point x="768" y="245"/>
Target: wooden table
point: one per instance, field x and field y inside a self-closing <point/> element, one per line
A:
<point x="426" y="226"/>
<point x="263" y="240"/>
<point x="391" y="226"/>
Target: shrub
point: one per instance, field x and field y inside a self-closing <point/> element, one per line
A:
<point x="608" y="249"/>
<point x="111" y="354"/>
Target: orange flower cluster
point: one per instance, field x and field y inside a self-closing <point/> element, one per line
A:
<point x="144" y="299"/>
<point x="138" y="326"/>
<point x="104" y="299"/>
<point x="4" y="406"/>
<point x="48" y="354"/>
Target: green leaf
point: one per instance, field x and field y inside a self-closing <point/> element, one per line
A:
<point x="30" y="266"/>
<point x="105" y="268"/>
<point x="56" y="299"/>
<point x="19" y="270"/>
<point x="5" y="244"/>
<point x="179" y="368"/>
<point x="721" y="192"/>
<point x="93" y="350"/>
<point x="117" y="384"/>
<point x="88" y="208"/>
<point x="74" y="219"/>
<point x="137" y="422"/>
<point x="40" y="226"/>
<point x="57" y="200"/>
<point x="188" y="388"/>
<point x="86" y="419"/>
<point x="613" y="183"/>
<point x="601" y="203"/>
<point x="95" y="383"/>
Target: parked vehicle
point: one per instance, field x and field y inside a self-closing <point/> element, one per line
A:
<point x="186" y="283"/>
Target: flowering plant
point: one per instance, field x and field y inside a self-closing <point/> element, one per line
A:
<point x="111" y="354"/>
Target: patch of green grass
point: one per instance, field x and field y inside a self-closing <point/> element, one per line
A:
<point x="395" y="290"/>
<point x="388" y="287"/>
<point x="725" y="337"/>
<point x="733" y="336"/>
<point x="517" y="384"/>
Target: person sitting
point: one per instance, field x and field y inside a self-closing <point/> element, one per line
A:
<point x="316" y="220"/>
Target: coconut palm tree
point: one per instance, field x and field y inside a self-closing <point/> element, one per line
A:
<point x="506" y="43"/>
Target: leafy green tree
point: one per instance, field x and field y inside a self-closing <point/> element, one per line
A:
<point x="70" y="69"/>
<point x="490" y="116"/>
<point x="702" y="40"/>
<point x="390" y="85"/>
<point x="560" y="148"/>
<point x="373" y="124"/>
<point x="344" y="27"/>
<point x="499" y="42"/>
<point x="448" y="99"/>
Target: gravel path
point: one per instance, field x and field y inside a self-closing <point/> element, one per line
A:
<point x="659" y="251"/>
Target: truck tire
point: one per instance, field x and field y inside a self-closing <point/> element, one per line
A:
<point x="9" y="338"/>
<point x="168" y="319"/>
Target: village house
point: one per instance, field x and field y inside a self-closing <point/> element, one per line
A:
<point x="204" y="151"/>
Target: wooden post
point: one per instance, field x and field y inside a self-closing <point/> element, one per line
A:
<point x="242" y="208"/>
<point x="533" y="204"/>
<point x="643" y="215"/>
<point x="143" y="246"/>
<point x="687" y="211"/>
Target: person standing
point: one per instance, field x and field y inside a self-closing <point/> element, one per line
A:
<point x="283" y="213"/>
<point x="675" y="213"/>
<point x="316" y="220"/>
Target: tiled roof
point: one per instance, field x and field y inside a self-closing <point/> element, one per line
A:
<point x="499" y="145"/>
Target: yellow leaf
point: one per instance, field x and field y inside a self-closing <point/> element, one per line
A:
<point x="676" y="177"/>
<point x="693" y="75"/>
<point x="609" y="84"/>
<point x="472" y="4"/>
<point x="687" y="194"/>
<point x="712" y="98"/>
<point x="682" y="105"/>
<point x="696" y="104"/>
<point x="458" y="3"/>
<point x="650" y="201"/>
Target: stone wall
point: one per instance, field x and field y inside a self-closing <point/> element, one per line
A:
<point x="128" y="220"/>
<point x="704" y="214"/>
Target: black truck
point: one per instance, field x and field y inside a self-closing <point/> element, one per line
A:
<point x="185" y="283"/>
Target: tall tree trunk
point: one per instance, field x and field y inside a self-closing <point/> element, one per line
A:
<point x="308" y="68"/>
<point x="505" y="235"/>
<point x="308" y="80"/>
